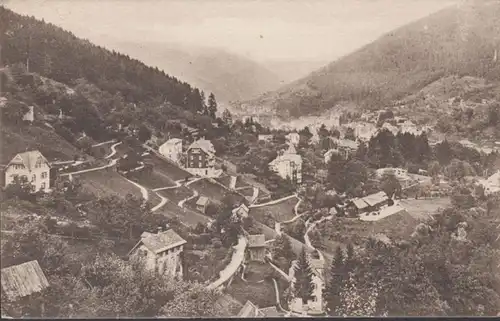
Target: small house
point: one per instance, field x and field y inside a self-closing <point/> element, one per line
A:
<point x="256" y="247"/>
<point x="30" y="115"/>
<point x="161" y="252"/>
<point x="288" y="165"/>
<point x="250" y="310"/>
<point x="22" y="280"/>
<point x="32" y="166"/>
<point x="328" y="155"/>
<point x="202" y="203"/>
<point x="241" y="211"/>
<point x="172" y="149"/>
<point x="376" y="200"/>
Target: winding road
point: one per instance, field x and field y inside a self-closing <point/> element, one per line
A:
<point x="111" y="163"/>
<point x="232" y="267"/>
<point x="273" y="202"/>
<point x="113" y="150"/>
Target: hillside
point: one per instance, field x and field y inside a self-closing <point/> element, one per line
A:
<point x="459" y="40"/>
<point x="229" y="76"/>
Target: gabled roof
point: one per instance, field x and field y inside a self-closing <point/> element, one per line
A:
<point x="28" y="159"/>
<point x="22" y="280"/>
<point x="249" y="310"/>
<point x="291" y="150"/>
<point x="172" y="141"/>
<point x="258" y="240"/>
<point x="359" y="203"/>
<point x="202" y="201"/>
<point x="270" y="312"/>
<point x="242" y="206"/>
<point x="160" y="242"/>
<point x="376" y="198"/>
<point x="203" y="144"/>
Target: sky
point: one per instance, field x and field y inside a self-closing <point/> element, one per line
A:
<point x="271" y="30"/>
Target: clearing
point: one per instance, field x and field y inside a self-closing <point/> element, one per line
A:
<point x="152" y="180"/>
<point x="176" y="194"/>
<point x="423" y="208"/>
<point x="107" y="182"/>
<point x="280" y="212"/>
<point x="211" y="190"/>
<point x="168" y="169"/>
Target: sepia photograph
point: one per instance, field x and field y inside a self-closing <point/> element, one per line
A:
<point x="249" y="158"/>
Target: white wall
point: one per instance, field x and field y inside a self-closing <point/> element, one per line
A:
<point x="34" y="176"/>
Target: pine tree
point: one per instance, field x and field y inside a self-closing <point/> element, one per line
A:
<point x="282" y="248"/>
<point x="203" y="103"/>
<point x="303" y="286"/>
<point x="212" y="105"/>
<point x="336" y="282"/>
<point x="227" y="118"/>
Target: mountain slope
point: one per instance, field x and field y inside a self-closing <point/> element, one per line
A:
<point x="458" y="40"/>
<point x="229" y="76"/>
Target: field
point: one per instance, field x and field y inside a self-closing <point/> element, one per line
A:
<point x="279" y="212"/>
<point x="257" y="290"/>
<point x="270" y="234"/>
<point x="102" y="151"/>
<point x="166" y="168"/>
<point x="107" y="182"/>
<point x="241" y="183"/>
<point x="176" y="194"/>
<point x="213" y="191"/>
<point x="246" y="191"/>
<point x="153" y="198"/>
<point x="423" y="208"/>
<point x="185" y="215"/>
<point x="153" y="180"/>
<point x="225" y="180"/>
<point x="17" y="139"/>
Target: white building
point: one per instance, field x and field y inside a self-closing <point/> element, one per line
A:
<point x="172" y="149"/>
<point x="32" y="166"/>
<point x="346" y="146"/>
<point x="393" y="129"/>
<point x="30" y="115"/>
<point x="160" y="252"/>
<point x="316" y="304"/>
<point x="491" y="184"/>
<point x="288" y="165"/>
<point x="241" y="211"/>
<point x="400" y="173"/>
<point x="363" y="130"/>
<point x="293" y="138"/>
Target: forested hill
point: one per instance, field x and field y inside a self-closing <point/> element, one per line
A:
<point x="459" y="40"/>
<point x="58" y="54"/>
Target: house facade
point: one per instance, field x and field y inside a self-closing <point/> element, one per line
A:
<point x="161" y="252"/>
<point x="241" y="211"/>
<point x="172" y="149"/>
<point x="31" y="165"/>
<point x="202" y="203"/>
<point x="346" y="147"/>
<point x="288" y="166"/>
<point x="293" y="138"/>
<point x="200" y="159"/>
<point x="30" y="115"/>
<point x="256" y="248"/>
<point x="491" y="184"/>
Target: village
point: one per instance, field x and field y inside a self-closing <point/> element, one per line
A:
<point x="181" y="164"/>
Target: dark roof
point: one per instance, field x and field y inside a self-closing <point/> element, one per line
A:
<point x="258" y="240"/>
<point x="376" y="198"/>
<point x="162" y="241"/>
<point x="22" y="280"/>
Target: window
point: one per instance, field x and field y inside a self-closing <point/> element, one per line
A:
<point x="32" y="188"/>
<point x="44" y="175"/>
<point x="43" y="186"/>
<point x="33" y="178"/>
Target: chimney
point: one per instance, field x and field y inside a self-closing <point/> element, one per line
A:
<point x="167" y="227"/>
<point x="160" y="229"/>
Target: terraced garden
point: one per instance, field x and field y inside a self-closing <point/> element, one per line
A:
<point x="210" y="190"/>
<point x="186" y="215"/>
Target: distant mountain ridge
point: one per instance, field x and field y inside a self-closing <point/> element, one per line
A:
<point x="459" y="40"/>
<point x="229" y="76"/>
